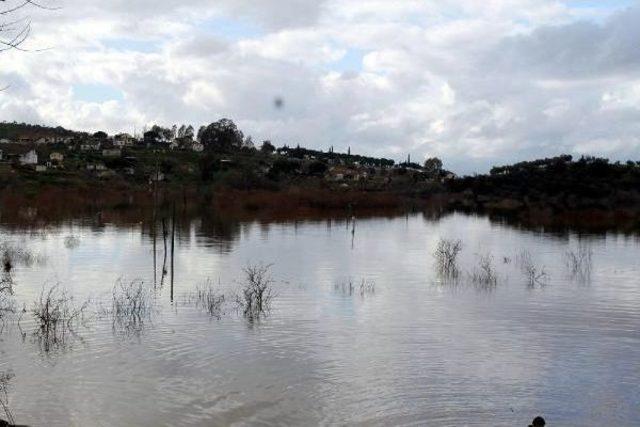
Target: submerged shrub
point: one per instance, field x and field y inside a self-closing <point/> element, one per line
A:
<point x="5" y="378"/>
<point x="351" y="288"/>
<point x="446" y="255"/>
<point x="12" y="255"/>
<point x="484" y="274"/>
<point x="533" y="274"/>
<point x="256" y="294"/>
<point x="579" y="261"/>
<point x="56" y="315"/>
<point x="207" y="298"/>
<point x="6" y="297"/>
<point x="131" y="304"/>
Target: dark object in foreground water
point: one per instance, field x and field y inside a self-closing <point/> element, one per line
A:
<point x="3" y="423"/>
<point x="538" y="422"/>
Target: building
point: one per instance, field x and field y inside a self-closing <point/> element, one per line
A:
<point x="41" y="168"/>
<point x="122" y="140"/>
<point x="29" y="158"/>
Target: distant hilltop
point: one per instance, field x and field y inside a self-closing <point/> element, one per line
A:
<point x="217" y="154"/>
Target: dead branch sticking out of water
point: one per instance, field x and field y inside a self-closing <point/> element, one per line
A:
<point x="206" y="297"/>
<point x="351" y="288"/>
<point x="256" y="294"/>
<point x="446" y="255"/>
<point x="579" y="261"/>
<point x="484" y="275"/>
<point x="533" y="274"/>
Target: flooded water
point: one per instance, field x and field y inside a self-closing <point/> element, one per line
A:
<point x="410" y="347"/>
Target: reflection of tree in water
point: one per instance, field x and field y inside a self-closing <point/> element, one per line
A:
<point x="218" y="232"/>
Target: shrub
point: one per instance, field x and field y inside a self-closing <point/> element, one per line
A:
<point x="257" y="291"/>
<point x="446" y="256"/>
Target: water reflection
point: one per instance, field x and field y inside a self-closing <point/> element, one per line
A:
<point x="363" y="326"/>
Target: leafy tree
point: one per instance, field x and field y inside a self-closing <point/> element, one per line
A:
<point x="267" y="147"/>
<point x="100" y="135"/>
<point x="152" y="137"/>
<point x="189" y="132"/>
<point x="433" y="166"/>
<point x="165" y="134"/>
<point x="222" y="135"/>
<point x="248" y="142"/>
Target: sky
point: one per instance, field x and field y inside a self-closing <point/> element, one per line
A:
<point x="475" y="83"/>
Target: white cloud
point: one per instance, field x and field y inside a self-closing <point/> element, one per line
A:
<point x="476" y="83"/>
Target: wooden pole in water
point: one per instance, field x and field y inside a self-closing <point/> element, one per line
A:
<point x="173" y="240"/>
<point x="165" y="233"/>
<point x="155" y="220"/>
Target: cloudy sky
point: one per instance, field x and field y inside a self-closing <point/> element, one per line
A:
<point x="475" y="83"/>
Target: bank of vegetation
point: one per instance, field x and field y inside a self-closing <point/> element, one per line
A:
<point x="218" y="167"/>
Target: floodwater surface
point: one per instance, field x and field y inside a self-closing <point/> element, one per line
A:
<point x="363" y="328"/>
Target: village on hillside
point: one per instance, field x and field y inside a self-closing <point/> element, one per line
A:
<point x="219" y="152"/>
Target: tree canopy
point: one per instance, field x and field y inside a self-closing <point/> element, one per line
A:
<point x="222" y="135"/>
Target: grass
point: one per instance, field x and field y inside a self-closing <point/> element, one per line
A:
<point x="256" y="293"/>
<point x="446" y="255"/>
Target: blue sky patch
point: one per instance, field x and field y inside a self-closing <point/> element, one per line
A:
<point x="96" y="92"/>
<point x="232" y="29"/>
<point x="351" y="61"/>
<point x="132" y="45"/>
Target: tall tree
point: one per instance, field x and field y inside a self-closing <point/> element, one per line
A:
<point x="433" y="166"/>
<point x="222" y="135"/>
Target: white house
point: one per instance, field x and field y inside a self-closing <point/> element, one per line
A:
<point x="5" y="141"/>
<point x="29" y="158"/>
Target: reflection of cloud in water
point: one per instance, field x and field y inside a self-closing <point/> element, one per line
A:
<point x="413" y="353"/>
